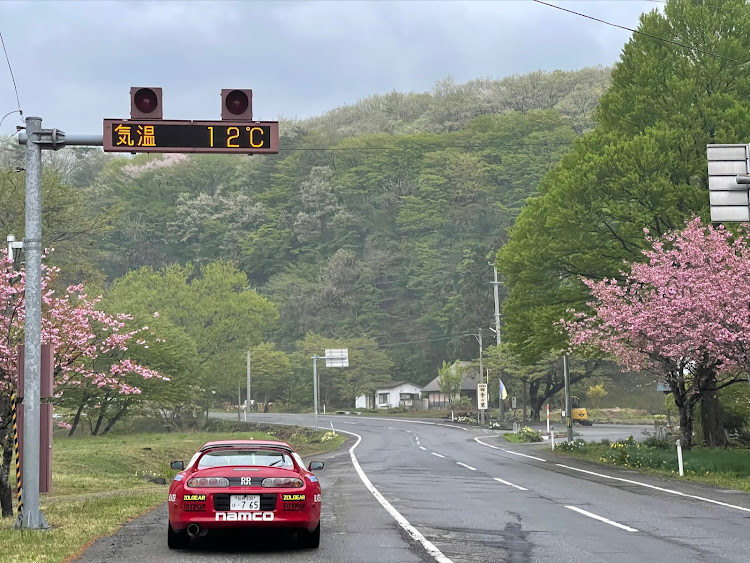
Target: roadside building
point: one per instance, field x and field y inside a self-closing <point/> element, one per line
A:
<point x="397" y="394"/>
<point x="436" y="399"/>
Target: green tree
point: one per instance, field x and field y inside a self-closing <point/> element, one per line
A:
<point x="450" y="378"/>
<point x="596" y="393"/>
<point x="642" y="167"/>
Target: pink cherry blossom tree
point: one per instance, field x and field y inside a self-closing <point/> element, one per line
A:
<point x="684" y="313"/>
<point x="90" y="350"/>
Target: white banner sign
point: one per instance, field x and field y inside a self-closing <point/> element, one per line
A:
<point x="482" y="396"/>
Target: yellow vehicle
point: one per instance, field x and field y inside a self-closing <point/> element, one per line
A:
<point x="578" y="413"/>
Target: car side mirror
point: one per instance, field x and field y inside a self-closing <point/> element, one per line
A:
<point x="315" y="465"/>
<point x="178" y="465"/>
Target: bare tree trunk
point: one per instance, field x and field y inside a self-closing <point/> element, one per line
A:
<point x="6" y="493"/>
<point x="76" y="419"/>
<point x="686" y="426"/>
<point x="712" y="421"/>
<point x="114" y="419"/>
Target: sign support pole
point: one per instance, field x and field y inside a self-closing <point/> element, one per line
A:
<point x="568" y="413"/>
<point x="315" y="388"/>
<point x="32" y="518"/>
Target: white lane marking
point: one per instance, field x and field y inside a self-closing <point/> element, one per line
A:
<point x="510" y="484"/>
<point x="403" y="522"/>
<point x="466" y="466"/>
<point x="422" y="448"/>
<point x="433" y="453"/>
<point x="670" y="491"/>
<point x="602" y="519"/>
<point x="390" y="427"/>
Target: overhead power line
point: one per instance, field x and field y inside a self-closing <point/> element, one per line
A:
<point x="656" y="37"/>
<point x="13" y="78"/>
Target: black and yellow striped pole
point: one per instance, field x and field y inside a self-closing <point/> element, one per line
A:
<point x="18" y="456"/>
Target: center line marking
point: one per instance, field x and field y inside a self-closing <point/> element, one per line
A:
<point x="510" y="484"/>
<point x="466" y="466"/>
<point x="422" y="448"/>
<point x="602" y="519"/>
<point x="433" y="453"/>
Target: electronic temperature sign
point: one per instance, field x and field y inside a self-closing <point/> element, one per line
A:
<point x="242" y="137"/>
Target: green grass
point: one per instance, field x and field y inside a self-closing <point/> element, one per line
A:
<point x="99" y="483"/>
<point x="516" y="438"/>
<point x="623" y="416"/>
<point x="728" y="468"/>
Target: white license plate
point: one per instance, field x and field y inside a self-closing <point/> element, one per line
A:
<point x="244" y="502"/>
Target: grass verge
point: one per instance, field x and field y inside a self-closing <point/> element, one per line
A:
<point x="726" y="468"/>
<point x="99" y="483"/>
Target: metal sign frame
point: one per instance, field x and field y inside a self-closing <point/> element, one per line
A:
<point x="730" y="199"/>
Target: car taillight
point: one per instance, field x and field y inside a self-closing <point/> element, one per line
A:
<point x="208" y="482"/>
<point x="282" y="482"/>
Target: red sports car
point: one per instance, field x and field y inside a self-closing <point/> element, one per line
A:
<point x="244" y="484"/>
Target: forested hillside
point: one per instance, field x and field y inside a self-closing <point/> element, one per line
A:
<point x="375" y="222"/>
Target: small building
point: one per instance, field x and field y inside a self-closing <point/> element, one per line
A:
<point x="396" y="394"/>
<point x="437" y="400"/>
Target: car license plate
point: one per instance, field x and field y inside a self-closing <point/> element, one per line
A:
<point x="244" y="502"/>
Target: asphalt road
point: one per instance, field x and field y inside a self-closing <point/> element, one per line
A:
<point x="463" y="495"/>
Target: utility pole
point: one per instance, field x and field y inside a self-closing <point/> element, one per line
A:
<point x="248" y="385"/>
<point x="497" y="305"/>
<point x="568" y="414"/>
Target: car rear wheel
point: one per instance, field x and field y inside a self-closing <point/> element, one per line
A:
<point x="310" y="539"/>
<point x="177" y="540"/>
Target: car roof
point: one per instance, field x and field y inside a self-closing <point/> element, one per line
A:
<point x="245" y="443"/>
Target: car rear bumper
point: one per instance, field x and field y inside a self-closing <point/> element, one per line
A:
<point x="227" y="520"/>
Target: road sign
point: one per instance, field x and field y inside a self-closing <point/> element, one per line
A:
<point x="482" y="396"/>
<point x="159" y="136"/>
<point x="729" y="199"/>
<point x="337" y="358"/>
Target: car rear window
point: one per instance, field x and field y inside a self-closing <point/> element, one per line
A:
<point x="265" y="458"/>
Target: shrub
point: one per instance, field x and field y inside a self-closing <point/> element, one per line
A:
<point x="530" y="434"/>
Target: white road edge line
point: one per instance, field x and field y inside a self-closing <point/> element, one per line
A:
<point x="524" y="455"/>
<point x="403" y="522"/>
<point x="671" y="491"/>
<point x="479" y="441"/>
<point x="466" y="466"/>
<point x="433" y="453"/>
<point x="422" y="448"/>
<point x="510" y="484"/>
<point x="601" y="519"/>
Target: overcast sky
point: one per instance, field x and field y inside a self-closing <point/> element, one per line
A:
<point x="74" y="62"/>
